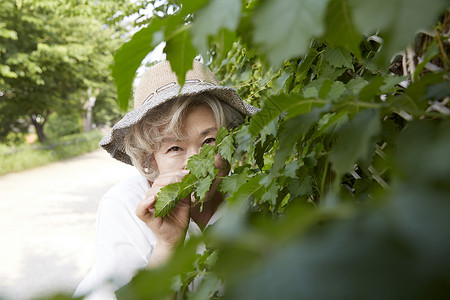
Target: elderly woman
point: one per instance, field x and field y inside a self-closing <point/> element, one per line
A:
<point x="166" y="127"/>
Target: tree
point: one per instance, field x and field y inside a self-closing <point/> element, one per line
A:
<point x="339" y="186"/>
<point x="52" y="52"/>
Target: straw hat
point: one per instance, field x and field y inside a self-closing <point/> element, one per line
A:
<point x="159" y="84"/>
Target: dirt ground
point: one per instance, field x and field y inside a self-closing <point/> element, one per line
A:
<point x="47" y="223"/>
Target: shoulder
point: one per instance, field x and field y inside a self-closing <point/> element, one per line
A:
<point x="119" y="231"/>
<point x="126" y="194"/>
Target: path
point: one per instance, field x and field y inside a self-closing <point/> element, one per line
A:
<point x="47" y="223"/>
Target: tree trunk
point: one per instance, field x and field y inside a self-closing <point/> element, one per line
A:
<point x="38" y="123"/>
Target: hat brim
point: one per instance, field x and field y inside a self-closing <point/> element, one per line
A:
<point x="113" y="141"/>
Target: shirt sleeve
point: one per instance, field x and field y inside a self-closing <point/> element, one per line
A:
<point x="123" y="245"/>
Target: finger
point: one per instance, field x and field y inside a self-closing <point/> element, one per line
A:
<point x="168" y="178"/>
<point x="185" y="202"/>
<point x="145" y="207"/>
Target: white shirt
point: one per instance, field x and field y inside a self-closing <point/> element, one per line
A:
<point x="123" y="243"/>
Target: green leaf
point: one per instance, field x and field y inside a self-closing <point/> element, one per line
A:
<point x="224" y="42"/>
<point x="295" y="129"/>
<point x="284" y="28"/>
<point x="230" y="184"/>
<point x="271" y="194"/>
<point x="336" y="91"/>
<point x="248" y="190"/>
<point x="129" y="57"/>
<point x="202" y="164"/>
<point x="390" y="83"/>
<point x="414" y="100"/>
<point x="221" y="134"/>
<point x="398" y="20"/>
<point x="180" y="53"/>
<point x="327" y="121"/>
<point x="274" y="106"/>
<point x="226" y="148"/>
<point x="305" y="65"/>
<point x="372" y="89"/>
<point x="357" y="84"/>
<point x="301" y="187"/>
<point x="170" y="195"/>
<point x="208" y="286"/>
<point x="325" y="88"/>
<point x="432" y="51"/>
<point x="203" y="186"/>
<point x="340" y="29"/>
<point x="208" y="22"/>
<point x="354" y="140"/>
<point x="291" y="168"/>
<point x="339" y="57"/>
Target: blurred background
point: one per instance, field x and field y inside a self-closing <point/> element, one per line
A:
<point x="57" y="99"/>
<point x="342" y="180"/>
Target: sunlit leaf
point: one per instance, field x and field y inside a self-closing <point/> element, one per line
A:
<point x="129" y="57"/>
<point x="170" y="195"/>
<point x="180" y="53"/>
<point x="208" y="22"/>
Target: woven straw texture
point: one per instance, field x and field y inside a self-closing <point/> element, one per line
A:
<point x="158" y="85"/>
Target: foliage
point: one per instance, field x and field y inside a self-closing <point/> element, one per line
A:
<point x="23" y="157"/>
<point x="51" y="53"/>
<point x="339" y="185"/>
<point x="61" y="125"/>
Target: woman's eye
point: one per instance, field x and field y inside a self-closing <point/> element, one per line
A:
<point x="174" y="149"/>
<point x="209" y="141"/>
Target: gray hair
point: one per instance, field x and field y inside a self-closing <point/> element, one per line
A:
<point x="144" y="138"/>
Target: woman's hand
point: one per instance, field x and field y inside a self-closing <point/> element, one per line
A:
<point x="171" y="229"/>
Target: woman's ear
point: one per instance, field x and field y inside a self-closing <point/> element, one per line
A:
<point x="152" y="160"/>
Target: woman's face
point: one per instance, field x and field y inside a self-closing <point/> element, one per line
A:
<point x="199" y="128"/>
